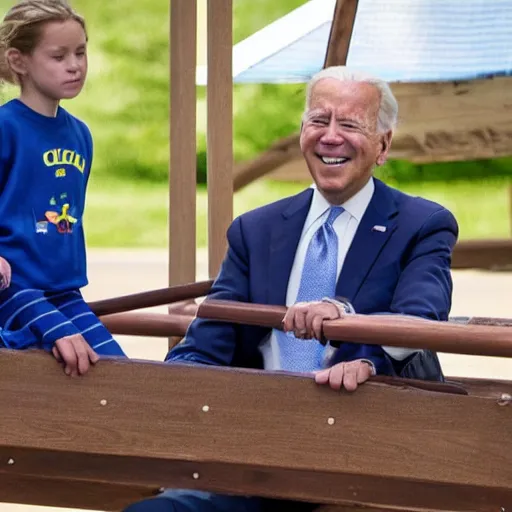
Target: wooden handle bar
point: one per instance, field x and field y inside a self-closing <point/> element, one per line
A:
<point x="390" y="330"/>
<point x="151" y="298"/>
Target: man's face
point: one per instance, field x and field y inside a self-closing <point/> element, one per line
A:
<point x="339" y="138"/>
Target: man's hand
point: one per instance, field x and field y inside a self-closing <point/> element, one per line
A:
<point x="305" y="319"/>
<point x="75" y="353"/>
<point x="348" y="375"/>
<point x="5" y="274"/>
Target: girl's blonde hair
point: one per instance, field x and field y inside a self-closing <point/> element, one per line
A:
<point x="22" y="26"/>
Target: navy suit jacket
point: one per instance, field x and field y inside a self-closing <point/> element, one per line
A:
<point x="404" y="270"/>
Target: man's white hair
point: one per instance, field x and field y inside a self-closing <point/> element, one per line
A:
<point x="388" y="111"/>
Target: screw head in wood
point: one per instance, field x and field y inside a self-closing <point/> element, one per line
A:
<point x="505" y="399"/>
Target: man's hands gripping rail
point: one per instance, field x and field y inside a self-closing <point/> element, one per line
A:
<point x="305" y="320"/>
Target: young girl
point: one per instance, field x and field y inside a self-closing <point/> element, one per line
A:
<point x="45" y="161"/>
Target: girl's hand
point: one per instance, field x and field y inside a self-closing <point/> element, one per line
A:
<point x="5" y="274"/>
<point x="75" y="353"/>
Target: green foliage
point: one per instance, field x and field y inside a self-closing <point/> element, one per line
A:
<point x="398" y="171"/>
<point x="123" y="213"/>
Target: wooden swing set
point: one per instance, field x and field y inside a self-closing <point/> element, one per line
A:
<point x="129" y="429"/>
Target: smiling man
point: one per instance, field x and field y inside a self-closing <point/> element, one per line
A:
<point x="350" y="235"/>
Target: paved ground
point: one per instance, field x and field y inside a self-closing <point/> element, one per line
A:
<point x="114" y="273"/>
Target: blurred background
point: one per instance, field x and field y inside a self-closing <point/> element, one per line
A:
<point x="126" y="104"/>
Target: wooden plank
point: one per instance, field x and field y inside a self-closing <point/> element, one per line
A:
<point x="449" y="121"/>
<point x="221" y="477"/>
<point x="219" y="130"/>
<point x="91" y="495"/>
<point x="145" y="423"/>
<point x="182" y="194"/>
<point x="483" y="254"/>
<point x="341" y="33"/>
<point x="69" y="493"/>
<point x="497" y="390"/>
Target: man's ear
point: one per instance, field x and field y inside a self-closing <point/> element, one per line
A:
<point x="16" y="61"/>
<point x="384" y="148"/>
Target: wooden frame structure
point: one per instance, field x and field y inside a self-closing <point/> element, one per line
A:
<point x="109" y="439"/>
<point x="129" y="429"/>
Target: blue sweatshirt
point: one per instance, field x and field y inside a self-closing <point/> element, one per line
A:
<point x="44" y="168"/>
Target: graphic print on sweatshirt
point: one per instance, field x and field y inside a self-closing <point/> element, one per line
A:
<point x="63" y="209"/>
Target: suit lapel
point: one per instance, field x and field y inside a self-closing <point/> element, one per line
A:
<point x="284" y="239"/>
<point x="368" y="241"/>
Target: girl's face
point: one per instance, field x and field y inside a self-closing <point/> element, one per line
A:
<point x="57" y="67"/>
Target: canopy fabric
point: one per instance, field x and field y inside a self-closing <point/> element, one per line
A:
<point x="397" y="40"/>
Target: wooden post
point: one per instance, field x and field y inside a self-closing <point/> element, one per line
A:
<point x="182" y="208"/>
<point x="510" y="206"/>
<point x="182" y="173"/>
<point x="341" y="33"/>
<point x="220" y="129"/>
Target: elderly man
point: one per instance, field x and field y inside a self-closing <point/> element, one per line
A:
<point x="349" y="235"/>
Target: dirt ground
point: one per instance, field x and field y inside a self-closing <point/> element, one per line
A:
<point x="119" y="272"/>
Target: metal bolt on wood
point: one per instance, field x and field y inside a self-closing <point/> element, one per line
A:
<point x="505" y="399"/>
<point x="206" y="408"/>
<point x="195" y="476"/>
<point x="331" y="421"/>
<point x="10" y="462"/>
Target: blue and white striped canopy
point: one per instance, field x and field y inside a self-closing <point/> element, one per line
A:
<point x="397" y="40"/>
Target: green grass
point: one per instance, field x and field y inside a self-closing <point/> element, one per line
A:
<point x="134" y="214"/>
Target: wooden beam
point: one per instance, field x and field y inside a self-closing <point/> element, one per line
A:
<point x="220" y="130"/>
<point x="143" y="424"/>
<point x="449" y="121"/>
<point x="68" y="493"/>
<point x="483" y="254"/>
<point x="92" y="495"/>
<point x="182" y="195"/>
<point x="341" y="33"/>
<point x="279" y="153"/>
